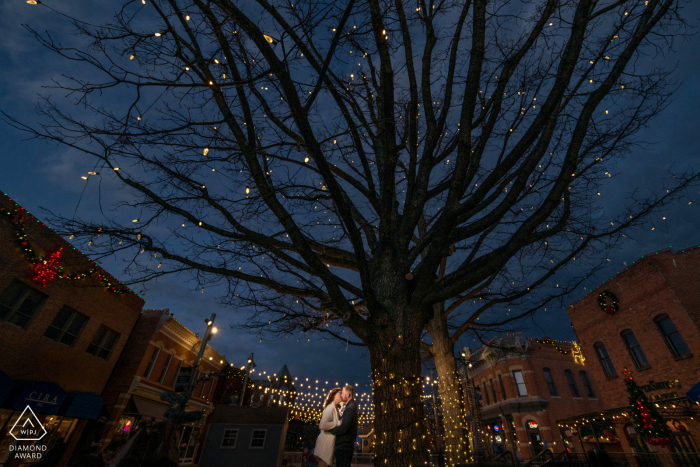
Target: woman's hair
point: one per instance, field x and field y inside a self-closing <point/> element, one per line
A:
<point x="331" y="396"/>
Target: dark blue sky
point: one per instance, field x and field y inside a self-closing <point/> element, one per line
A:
<point x="46" y="176"/>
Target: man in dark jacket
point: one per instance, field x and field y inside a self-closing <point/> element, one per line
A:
<point x="346" y="432"/>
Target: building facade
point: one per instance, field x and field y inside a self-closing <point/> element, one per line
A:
<point x="159" y="351"/>
<point x="645" y="320"/>
<point x="63" y="324"/>
<point x="521" y="387"/>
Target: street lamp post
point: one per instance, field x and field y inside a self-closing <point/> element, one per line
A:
<point x="245" y="380"/>
<point x="211" y="330"/>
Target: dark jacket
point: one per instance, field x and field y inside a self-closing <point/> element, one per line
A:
<point x="346" y="432"/>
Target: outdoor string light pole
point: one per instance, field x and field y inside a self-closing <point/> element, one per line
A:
<point x="211" y="330"/>
<point x="245" y="380"/>
<point x="474" y="411"/>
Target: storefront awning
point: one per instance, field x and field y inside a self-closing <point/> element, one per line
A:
<point x="694" y="393"/>
<point x="87" y="405"/>
<point x="149" y="408"/>
<point x="43" y="397"/>
<point x="5" y="386"/>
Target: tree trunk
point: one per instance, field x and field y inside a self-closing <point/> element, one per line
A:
<point x="450" y="388"/>
<point x="398" y="404"/>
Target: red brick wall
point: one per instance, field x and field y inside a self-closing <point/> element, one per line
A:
<point x="652" y="286"/>
<point x="26" y="353"/>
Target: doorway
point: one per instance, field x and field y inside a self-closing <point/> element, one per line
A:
<point x="532" y="429"/>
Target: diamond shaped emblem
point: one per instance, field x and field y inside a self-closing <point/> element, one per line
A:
<point x="28" y="427"/>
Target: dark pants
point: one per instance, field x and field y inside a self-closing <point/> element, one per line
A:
<point x="343" y="457"/>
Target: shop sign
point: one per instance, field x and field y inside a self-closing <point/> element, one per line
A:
<point x="532" y="424"/>
<point x="42" y="397"/>
<point x="652" y="386"/>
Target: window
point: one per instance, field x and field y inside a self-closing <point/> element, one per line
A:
<point x="151" y="362"/>
<point x="19" y="303"/>
<point x="493" y="391"/>
<point x="101" y="346"/>
<point x="257" y="440"/>
<point x="550" y="382"/>
<point x="587" y="383"/>
<point x="66" y="326"/>
<point x="228" y="441"/>
<point x="671" y="335"/>
<point x="604" y="358"/>
<point x="635" y="350"/>
<point x="572" y="384"/>
<point x="520" y="383"/>
<point x="503" y="388"/>
<point x="177" y="373"/>
<point x="165" y="368"/>
<point x="486" y="394"/>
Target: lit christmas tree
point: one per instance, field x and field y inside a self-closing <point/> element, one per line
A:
<point x="648" y="422"/>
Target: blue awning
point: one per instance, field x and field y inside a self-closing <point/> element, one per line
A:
<point x="86" y="405"/>
<point x="43" y="397"/>
<point x="694" y="393"/>
<point x="5" y="386"/>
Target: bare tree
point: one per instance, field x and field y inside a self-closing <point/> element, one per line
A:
<point x="322" y="158"/>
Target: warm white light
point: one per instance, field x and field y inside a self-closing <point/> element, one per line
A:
<point x="157" y="34"/>
<point x="32" y="2"/>
<point x="247" y="190"/>
<point x="135" y="220"/>
<point x="206" y="151"/>
<point x="214" y="330"/>
<point x="209" y="323"/>
<point x="268" y="39"/>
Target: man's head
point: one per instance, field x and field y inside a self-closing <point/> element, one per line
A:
<point x="348" y="393"/>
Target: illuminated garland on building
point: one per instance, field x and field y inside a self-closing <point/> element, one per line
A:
<point x="649" y="423"/>
<point x="48" y="269"/>
<point x="603" y="302"/>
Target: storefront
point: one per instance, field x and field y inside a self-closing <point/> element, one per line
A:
<point x="45" y="406"/>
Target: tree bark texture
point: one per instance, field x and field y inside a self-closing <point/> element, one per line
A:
<point x="398" y="403"/>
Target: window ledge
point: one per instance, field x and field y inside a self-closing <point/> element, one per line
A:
<point x="578" y="398"/>
<point x="644" y="368"/>
<point x="555" y="397"/>
<point x="683" y="357"/>
<point x="611" y="377"/>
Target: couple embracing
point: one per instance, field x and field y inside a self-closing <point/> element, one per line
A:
<point x="336" y="443"/>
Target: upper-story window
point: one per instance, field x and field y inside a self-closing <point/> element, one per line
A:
<point x="176" y="374"/>
<point x="164" y="371"/>
<point x="486" y="394"/>
<point x="520" y="383"/>
<point x="572" y="383"/>
<point x="103" y="342"/>
<point x="66" y="326"/>
<point x="586" y="383"/>
<point x="635" y="350"/>
<point x="493" y="391"/>
<point x="151" y="362"/>
<point x="671" y="335"/>
<point x="604" y="358"/>
<point x="550" y="382"/>
<point x="19" y="303"/>
<point x="503" y="388"/>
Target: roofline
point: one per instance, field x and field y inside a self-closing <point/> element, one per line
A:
<point x="634" y="263"/>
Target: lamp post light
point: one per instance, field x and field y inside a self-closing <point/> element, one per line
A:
<point x="251" y="362"/>
<point x="210" y="331"/>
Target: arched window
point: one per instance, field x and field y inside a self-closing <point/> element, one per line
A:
<point x="572" y="383"/>
<point x="635" y="350"/>
<point x="550" y="382"/>
<point x="671" y="335"/>
<point x="604" y="358"/>
<point x="587" y="383"/>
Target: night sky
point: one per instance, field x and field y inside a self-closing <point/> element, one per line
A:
<point x="39" y="176"/>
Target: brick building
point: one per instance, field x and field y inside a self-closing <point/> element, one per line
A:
<point x="63" y="323"/>
<point x="644" y="319"/>
<point x="159" y="348"/>
<point x="523" y="386"/>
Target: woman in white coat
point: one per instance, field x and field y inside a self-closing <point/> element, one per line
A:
<point x="325" y="444"/>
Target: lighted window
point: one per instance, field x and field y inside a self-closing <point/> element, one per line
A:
<point x="671" y="335"/>
<point x="635" y="350"/>
<point x="103" y="342"/>
<point x="604" y="358"/>
<point x="550" y="382"/>
<point x="66" y="326"/>
<point x="586" y="383"/>
<point x="572" y="383"/>
<point x="228" y="440"/>
<point x="257" y="440"/>
<point x="520" y="383"/>
<point x="19" y="303"/>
